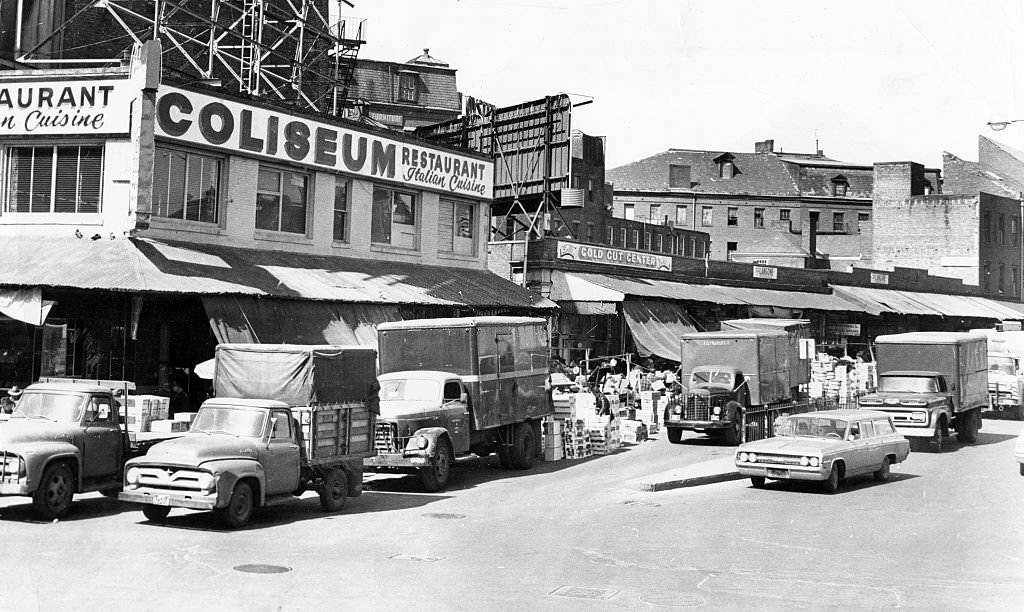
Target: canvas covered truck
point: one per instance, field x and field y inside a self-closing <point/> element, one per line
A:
<point x="930" y="382"/>
<point x="455" y="386"/>
<point x="68" y="436"/>
<point x="285" y="419"/>
<point x="729" y="372"/>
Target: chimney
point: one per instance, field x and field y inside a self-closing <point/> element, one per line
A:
<point x="809" y="237"/>
<point x="764" y="147"/>
<point x="897" y="180"/>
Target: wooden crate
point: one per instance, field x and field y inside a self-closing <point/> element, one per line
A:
<point x="333" y="431"/>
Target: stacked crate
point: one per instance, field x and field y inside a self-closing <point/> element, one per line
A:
<point x="552" y="440"/>
<point x="576" y="439"/>
<point x="141" y="410"/>
<point x="604" y="435"/>
<point x="632" y="431"/>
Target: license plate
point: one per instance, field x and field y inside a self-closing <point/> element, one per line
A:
<point x="777" y="472"/>
<point x="161" y="500"/>
<point x="714" y="417"/>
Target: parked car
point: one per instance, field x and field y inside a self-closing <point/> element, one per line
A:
<point x="827" y="446"/>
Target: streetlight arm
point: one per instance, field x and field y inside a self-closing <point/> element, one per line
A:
<point x="999" y="126"/>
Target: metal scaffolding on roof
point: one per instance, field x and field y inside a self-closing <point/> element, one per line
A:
<point x="301" y="53"/>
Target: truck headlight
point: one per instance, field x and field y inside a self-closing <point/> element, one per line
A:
<point x="206" y="482"/>
<point x="132" y="476"/>
<point x="419" y="442"/>
<point x="814" y="461"/>
<point x="919" y="417"/>
<point x="717" y="410"/>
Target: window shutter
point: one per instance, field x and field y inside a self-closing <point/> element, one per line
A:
<point x="90" y="172"/>
<point x="66" y="185"/>
<point x="20" y="179"/>
<point x="42" y="179"/>
<point x="446" y="224"/>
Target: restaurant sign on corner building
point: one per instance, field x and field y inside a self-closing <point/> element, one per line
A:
<point x="619" y="257"/>
<point x="241" y="128"/>
<point x="83" y="107"/>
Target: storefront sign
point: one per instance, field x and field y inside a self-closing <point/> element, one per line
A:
<point x="618" y="257"/>
<point x="843" y="329"/>
<point x="249" y="130"/>
<point x="58" y="108"/>
<point x="766" y="272"/>
<point x="879" y="278"/>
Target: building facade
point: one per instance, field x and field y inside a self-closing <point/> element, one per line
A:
<point x="406" y="95"/>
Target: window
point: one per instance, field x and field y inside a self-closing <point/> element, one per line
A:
<point x="186" y="185"/>
<point x="457" y="227"/>
<point x="658" y="246"/>
<point x="839" y="186"/>
<point x="681" y="216"/>
<point x="622" y="237"/>
<point x="54" y="179"/>
<point x="986" y="274"/>
<point x="576" y="230"/>
<point x="281" y="201"/>
<point x="282" y="426"/>
<point x="705" y="215"/>
<point x="837" y="222"/>
<point x="730" y="248"/>
<point x="590" y="232"/>
<point x="1001" y="230"/>
<point x="726" y="169"/>
<point x="927" y="187"/>
<point x="610" y="235"/>
<point x="394" y="219"/>
<point x="655" y="214"/>
<point x="629" y="212"/>
<point x="733" y="216"/>
<point x="758" y="217"/>
<point x="863" y="217"/>
<point x="1002" y="278"/>
<point x="1013" y="281"/>
<point x="340" y="210"/>
<point x="636" y="239"/>
<point x="590" y="190"/>
<point x="407" y="86"/>
<point x="783" y="214"/>
<point x="883" y="427"/>
<point x="986" y="231"/>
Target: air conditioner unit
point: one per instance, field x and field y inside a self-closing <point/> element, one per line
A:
<point x="571" y="197"/>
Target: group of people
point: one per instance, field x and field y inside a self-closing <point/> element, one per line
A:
<point x="612" y="377"/>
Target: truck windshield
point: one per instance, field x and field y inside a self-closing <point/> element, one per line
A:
<point x="228" y="420"/>
<point x="810" y="427"/>
<point x="912" y="384"/>
<point x="714" y="377"/>
<point x="57" y="407"/>
<point x="1003" y="365"/>
<point x="411" y="389"/>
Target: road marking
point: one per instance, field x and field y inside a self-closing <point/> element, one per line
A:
<point x="583" y="592"/>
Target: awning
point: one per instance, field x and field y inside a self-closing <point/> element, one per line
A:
<point x="587" y="286"/>
<point x="876" y="301"/>
<point x="151" y="266"/>
<point x="26" y="305"/>
<point x="657" y="326"/>
<point x="240" y="319"/>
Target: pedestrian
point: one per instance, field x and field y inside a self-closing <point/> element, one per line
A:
<point x="9" y="403"/>
<point x="179" y="399"/>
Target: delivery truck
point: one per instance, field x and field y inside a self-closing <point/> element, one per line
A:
<point x="68" y="436"/>
<point x="729" y="372"/>
<point x="460" y="385"/>
<point x="930" y="382"/>
<point x="285" y="419"/>
<point x="1005" y="371"/>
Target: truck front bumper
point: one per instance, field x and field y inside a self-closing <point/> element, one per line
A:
<point x="398" y="460"/>
<point x="173" y="500"/>
<point x="923" y="431"/>
<point x="698" y="425"/>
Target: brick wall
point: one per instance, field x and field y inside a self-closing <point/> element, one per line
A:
<point x="896" y="180"/>
<point x="1000" y="246"/>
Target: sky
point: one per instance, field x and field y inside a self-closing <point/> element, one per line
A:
<point x="870" y="80"/>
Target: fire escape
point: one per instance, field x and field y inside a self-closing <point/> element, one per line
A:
<point x="297" y="53"/>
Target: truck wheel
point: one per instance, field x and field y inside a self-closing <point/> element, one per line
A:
<point x="936" y="439"/>
<point x="675" y="435"/>
<point x="831" y="484"/>
<point x="155" y="513"/>
<point x="239" y="509"/>
<point x="967" y="431"/>
<point x="53" y="496"/>
<point x="334" y="490"/>
<point x="524" y="447"/>
<point x="435" y="478"/>
<point x="734" y="434"/>
<point x="882" y="473"/>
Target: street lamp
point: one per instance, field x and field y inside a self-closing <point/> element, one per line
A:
<point x="999" y="126"/>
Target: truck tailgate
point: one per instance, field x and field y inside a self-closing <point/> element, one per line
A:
<point x="329" y="432"/>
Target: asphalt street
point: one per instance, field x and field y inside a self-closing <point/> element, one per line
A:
<point x="944" y="534"/>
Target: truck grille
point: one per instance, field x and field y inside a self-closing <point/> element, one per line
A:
<point x="697" y="408"/>
<point x="386" y="439"/>
<point x="10" y="465"/>
<point x="169" y="478"/>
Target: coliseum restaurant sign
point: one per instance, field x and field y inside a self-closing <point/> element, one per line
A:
<point x="239" y="128"/>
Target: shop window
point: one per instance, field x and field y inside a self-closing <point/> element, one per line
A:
<point x="758" y="217"/>
<point x="281" y="198"/>
<point x="394" y="218"/>
<point x="705" y="216"/>
<point x="784" y="214"/>
<point x="680" y="216"/>
<point x="457" y="227"/>
<point x="186" y="185"/>
<point x="341" y="216"/>
<point x="54" y="179"/>
<point x="732" y="216"/>
<point x="407" y="91"/>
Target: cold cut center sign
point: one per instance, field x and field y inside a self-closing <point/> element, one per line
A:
<point x="243" y="129"/>
<point x="620" y="257"/>
<point x="82" y="107"/>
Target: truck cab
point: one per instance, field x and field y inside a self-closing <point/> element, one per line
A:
<point x="716" y="397"/>
<point x="917" y="401"/>
<point x="1006" y="384"/>
<point x="62" y="439"/>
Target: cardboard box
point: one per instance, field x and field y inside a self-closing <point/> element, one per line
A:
<point x="188" y="417"/>
<point x="554" y="454"/>
<point x="168" y="426"/>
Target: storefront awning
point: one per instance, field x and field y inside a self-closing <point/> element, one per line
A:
<point x="151" y="266"/>
<point x="240" y="319"/>
<point x="26" y="305"/>
<point x="877" y="301"/>
<point x="657" y="326"/>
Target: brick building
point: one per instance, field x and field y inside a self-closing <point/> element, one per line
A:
<point x="766" y="207"/>
<point x="406" y="95"/>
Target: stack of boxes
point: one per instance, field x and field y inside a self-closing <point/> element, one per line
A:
<point x="551" y="439"/>
<point x="633" y="432"/>
<point x="604" y="435"/>
<point x="142" y="410"/>
<point x="652" y="403"/>
<point x="576" y="439"/>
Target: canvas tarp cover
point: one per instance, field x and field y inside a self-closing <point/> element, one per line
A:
<point x="657" y="326"/>
<point x="239" y="319"/>
<point x="294" y="374"/>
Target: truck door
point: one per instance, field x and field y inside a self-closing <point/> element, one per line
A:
<point x="508" y="392"/>
<point x="456" y="415"/>
<point x="281" y="457"/>
<point x="101" y="452"/>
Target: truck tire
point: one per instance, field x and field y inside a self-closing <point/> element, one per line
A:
<point x="524" y="447"/>
<point x="967" y="430"/>
<point x="156" y="514"/>
<point x="733" y="435"/>
<point x="53" y="496"/>
<point x="674" y="434"/>
<point x="239" y="509"/>
<point x="334" y="490"/>
<point x="935" y="442"/>
<point x="435" y="477"/>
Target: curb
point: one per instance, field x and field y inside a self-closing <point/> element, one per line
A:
<point x="652" y="486"/>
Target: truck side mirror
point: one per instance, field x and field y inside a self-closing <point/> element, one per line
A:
<point x="464" y="397"/>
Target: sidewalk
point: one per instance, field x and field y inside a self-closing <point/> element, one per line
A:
<point x="696" y="474"/>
